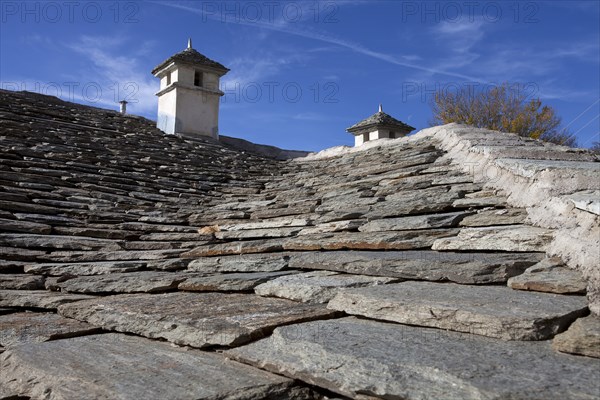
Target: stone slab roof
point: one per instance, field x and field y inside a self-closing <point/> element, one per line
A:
<point x="456" y="263"/>
<point x="191" y="57"/>
<point x="381" y="120"/>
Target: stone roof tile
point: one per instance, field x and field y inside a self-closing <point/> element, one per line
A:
<point x="99" y="211"/>
<point x="191" y="57"/>
<point x="380" y="119"/>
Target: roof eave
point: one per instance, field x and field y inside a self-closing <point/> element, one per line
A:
<point x="359" y="129"/>
<point x="170" y="62"/>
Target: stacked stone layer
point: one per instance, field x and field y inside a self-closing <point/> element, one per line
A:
<point x="115" y="239"/>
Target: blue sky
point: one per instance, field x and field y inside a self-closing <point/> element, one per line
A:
<point x="302" y="72"/>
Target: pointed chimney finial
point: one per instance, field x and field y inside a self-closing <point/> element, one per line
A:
<point x="380" y="108"/>
<point x="189" y="44"/>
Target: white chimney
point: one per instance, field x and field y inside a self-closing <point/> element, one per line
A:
<point x="123" y="108"/>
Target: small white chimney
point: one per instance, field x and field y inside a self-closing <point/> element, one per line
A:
<point x="123" y="108"/>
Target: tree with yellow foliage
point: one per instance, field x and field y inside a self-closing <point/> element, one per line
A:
<point x="502" y="108"/>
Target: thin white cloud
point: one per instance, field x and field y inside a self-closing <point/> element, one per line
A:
<point x="111" y="73"/>
<point x="459" y="39"/>
<point x="256" y="69"/>
<point x="311" y="116"/>
<point x="278" y="25"/>
<point x="119" y="76"/>
<point x="547" y="68"/>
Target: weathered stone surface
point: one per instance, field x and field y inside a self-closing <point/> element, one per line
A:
<point x="24" y="226"/>
<point x="245" y="247"/>
<point x="549" y="275"/>
<point x="258" y="233"/>
<point x="56" y="242"/>
<point x="469" y="268"/>
<point x="317" y="286"/>
<point x="173" y="264"/>
<point x="96" y="174"/>
<point x="498" y="238"/>
<point x="588" y="200"/>
<point x="335" y="226"/>
<point x="127" y="282"/>
<point x="17" y="328"/>
<point x="5" y="393"/>
<point x="240" y="263"/>
<point x="53" y="282"/>
<point x="412" y="204"/>
<point x="560" y="170"/>
<point x="152" y="370"/>
<point x="491" y="217"/>
<point x="427" y="221"/>
<point x="267" y="224"/>
<point x="490" y="201"/>
<point x="582" y="337"/>
<point x="195" y="319"/>
<point x="84" y="268"/>
<point x="21" y="281"/>
<point x="38" y="298"/>
<point x="391" y="240"/>
<point x="360" y="358"/>
<point x="176" y="236"/>
<point x="540" y="151"/>
<point x="229" y="282"/>
<point x="493" y="311"/>
<point x="15" y="253"/>
<point x="284" y="211"/>
<point x="127" y="255"/>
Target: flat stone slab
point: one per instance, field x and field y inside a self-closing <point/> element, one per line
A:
<point x="488" y="201"/>
<point x="195" y="319"/>
<point x="587" y="200"/>
<point x="240" y="263"/>
<point x="316" y="286"/>
<point x="173" y="264"/>
<point x="494" y="311"/>
<point x="257" y="233"/>
<point x="334" y="226"/>
<point x="530" y="168"/>
<point x="24" y="226"/>
<point x="365" y="359"/>
<point x="84" y="268"/>
<point x="21" y="282"/>
<point x="549" y="275"/>
<point x="17" y="328"/>
<point x="412" y="203"/>
<point x="468" y="268"/>
<point x="238" y="247"/>
<point x="57" y="242"/>
<point x="127" y="282"/>
<point x="116" y="366"/>
<point x="267" y="224"/>
<point x="230" y="282"/>
<point x="498" y="238"/>
<point x="429" y="221"/>
<point x="121" y="255"/>
<point x="582" y="337"/>
<point x="389" y="240"/>
<point x="491" y="217"/>
<point x="38" y="298"/>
